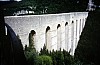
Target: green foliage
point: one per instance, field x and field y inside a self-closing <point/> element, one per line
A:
<point x="68" y="59"/>
<point x="89" y="44"/>
<point x="51" y="58"/>
<point x="30" y="53"/>
<point x="58" y="57"/>
<point x="44" y="60"/>
<point x="96" y="2"/>
<point x="44" y="51"/>
<point x="31" y="56"/>
<point x="87" y="52"/>
<point x="47" y="6"/>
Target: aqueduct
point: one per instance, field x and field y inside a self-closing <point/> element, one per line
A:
<point x="54" y="30"/>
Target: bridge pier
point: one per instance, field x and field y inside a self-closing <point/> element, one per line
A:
<point x="64" y="33"/>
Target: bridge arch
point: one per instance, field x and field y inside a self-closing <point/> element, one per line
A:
<point x="50" y="26"/>
<point x="48" y="38"/>
<point x="32" y="38"/>
<point x="66" y="23"/>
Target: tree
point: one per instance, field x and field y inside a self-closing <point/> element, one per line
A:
<point x="44" y="51"/>
<point x="96" y="2"/>
<point x="31" y="56"/>
<point x="88" y="47"/>
<point x="44" y="60"/>
<point x="68" y="59"/>
<point x="48" y="6"/>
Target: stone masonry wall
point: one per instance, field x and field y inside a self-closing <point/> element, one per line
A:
<point x="65" y="29"/>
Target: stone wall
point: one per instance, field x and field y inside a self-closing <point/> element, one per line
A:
<point x="54" y="30"/>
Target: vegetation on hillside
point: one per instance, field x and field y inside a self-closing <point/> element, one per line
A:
<point x="46" y="57"/>
<point x="47" y="6"/>
<point x="86" y="53"/>
<point x="88" y="49"/>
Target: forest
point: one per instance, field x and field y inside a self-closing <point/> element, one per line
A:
<point x="47" y="6"/>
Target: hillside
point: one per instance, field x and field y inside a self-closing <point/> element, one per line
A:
<point x="88" y="49"/>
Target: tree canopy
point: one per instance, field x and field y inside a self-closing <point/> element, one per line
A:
<point x="47" y="6"/>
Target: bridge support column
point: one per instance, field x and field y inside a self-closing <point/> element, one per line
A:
<point x="74" y="36"/>
<point x="58" y="37"/>
<point x="66" y="36"/>
<point x="84" y="22"/>
<point x="78" y="29"/>
<point x="81" y="25"/>
<point x="69" y="37"/>
<point x="63" y="35"/>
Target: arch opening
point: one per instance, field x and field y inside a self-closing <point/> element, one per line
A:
<point x="66" y="23"/>
<point x="32" y="39"/>
<point x="47" y="29"/>
<point x="48" y="38"/>
<point x="72" y="21"/>
<point x="58" y="26"/>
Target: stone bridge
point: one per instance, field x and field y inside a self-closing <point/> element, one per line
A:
<point x="54" y="30"/>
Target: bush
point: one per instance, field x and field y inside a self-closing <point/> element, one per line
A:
<point x="31" y="56"/>
<point x="44" y="60"/>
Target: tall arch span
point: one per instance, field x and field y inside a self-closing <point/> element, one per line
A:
<point x="69" y="33"/>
